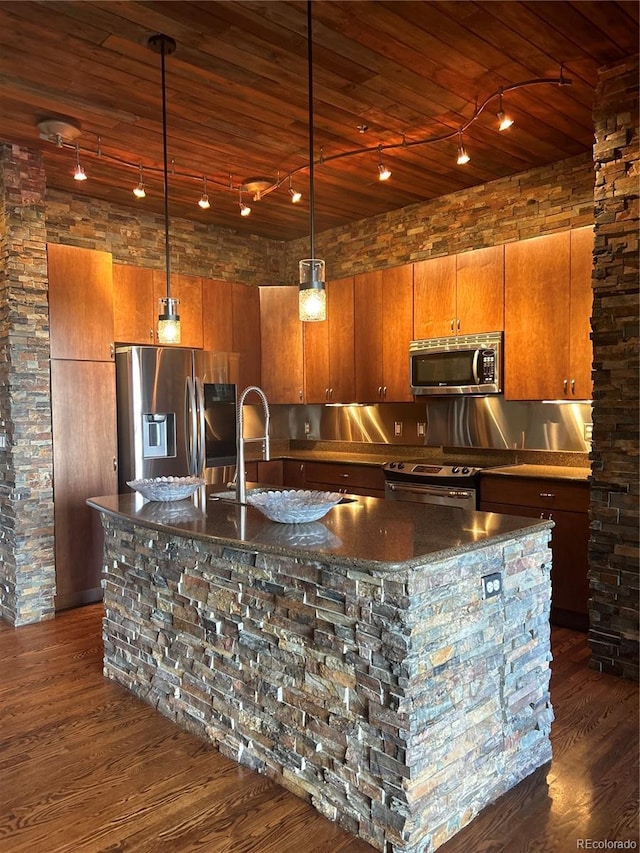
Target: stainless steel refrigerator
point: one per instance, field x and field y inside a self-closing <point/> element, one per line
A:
<point x="176" y="413"/>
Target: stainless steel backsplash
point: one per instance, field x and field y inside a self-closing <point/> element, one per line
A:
<point x="483" y="422"/>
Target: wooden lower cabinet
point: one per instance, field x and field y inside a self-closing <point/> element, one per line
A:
<point x="335" y="477"/>
<point x="567" y="504"/>
<point x="84" y="465"/>
<point x="267" y="473"/>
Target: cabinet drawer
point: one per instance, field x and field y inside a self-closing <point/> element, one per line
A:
<point x="542" y="493"/>
<point x="345" y="476"/>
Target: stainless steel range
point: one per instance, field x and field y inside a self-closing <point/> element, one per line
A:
<point x="428" y="483"/>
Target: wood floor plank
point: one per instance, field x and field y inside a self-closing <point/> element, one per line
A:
<point x="85" y="767"/>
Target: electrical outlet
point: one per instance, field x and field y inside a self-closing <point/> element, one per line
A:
<point x="491" y="585"/>
<point x="588" y="432"/>
<point x="397" y="428"/>
<point x="421" y="428"/>
<point x="307" y="427"/>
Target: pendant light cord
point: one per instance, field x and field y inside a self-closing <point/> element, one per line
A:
<point x="311" y="163"/>
<point x="167" y="253"/>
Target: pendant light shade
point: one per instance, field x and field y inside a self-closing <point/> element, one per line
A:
<point x="312" y="297"/>
<point x="168" y="318"/>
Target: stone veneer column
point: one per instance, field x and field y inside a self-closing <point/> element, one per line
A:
<point x="27" y="569"/>
<point x="613" y="551"/>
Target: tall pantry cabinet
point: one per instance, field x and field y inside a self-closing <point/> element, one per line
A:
<point x="83" y="414"/>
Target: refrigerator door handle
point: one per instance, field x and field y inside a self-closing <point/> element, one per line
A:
<point x="191" y="425"/>
<point x="200" y="426"/>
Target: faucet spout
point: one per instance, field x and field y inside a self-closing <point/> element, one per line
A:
<point x="241" y="478"/>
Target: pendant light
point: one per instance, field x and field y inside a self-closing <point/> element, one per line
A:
<point x="312" y="297"/>
<point x="168" y="317"/>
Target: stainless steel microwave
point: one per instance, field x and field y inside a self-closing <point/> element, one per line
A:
<point x="465" y="364"/>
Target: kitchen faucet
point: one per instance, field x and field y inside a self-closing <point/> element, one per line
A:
<point x="241" y="477"/>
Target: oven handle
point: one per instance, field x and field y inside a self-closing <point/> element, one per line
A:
<point x="436" y="492"/>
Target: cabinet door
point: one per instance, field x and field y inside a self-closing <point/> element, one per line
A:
<point x="83" y="404"/>
<point x="246" y="333"/>
<point x="368" y="301"/>
<point x="537" y="311"/>
<point x="293" y="474"/>
<point x="329" y="348"/>
<point x="217" y="315"/>
<point x="80" y="303"/>
<point x="581" y="350"/>
<point x="397" y="332"/>
<point x="281" y="345"/>
<point x="188" y="289"/>
<point x="480" y="291"/>
<point x="570" y="564"/>
<point x="434" y="297"/>
<point x="135" y="310"/>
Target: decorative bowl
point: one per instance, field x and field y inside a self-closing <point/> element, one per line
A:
<point x="166" y="488"/>
<point x="294" y="506"/>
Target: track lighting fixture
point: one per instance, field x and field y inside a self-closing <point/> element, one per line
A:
<point x="383" y="173"/>
<point x="463" y="157"/>
<point x="245" y="210"/>
<point x="504" y="121"/>
<point x="139" y="190"/>
<point x="295" y="195"/>
<point x="169" y="331"/>
<point x="64" y="132"/>
<point x="204" y="202"/>
<point x="312" y="296"/>
<point x="78" y="172"/>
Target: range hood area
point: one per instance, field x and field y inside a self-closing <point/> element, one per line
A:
<point x="478" y="422"/>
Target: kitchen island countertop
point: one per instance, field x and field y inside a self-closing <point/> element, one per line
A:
<point x="367" y="532"/>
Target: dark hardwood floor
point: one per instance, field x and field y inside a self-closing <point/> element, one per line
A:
<point x="86" y="767"/>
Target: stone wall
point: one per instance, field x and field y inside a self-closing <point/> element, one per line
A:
<point x="136" y="237"/>
<point x="540" y="201"/>
<point x="27" y="571"/>
<point x="397" y="703"/>
<point x="615" y="516"/>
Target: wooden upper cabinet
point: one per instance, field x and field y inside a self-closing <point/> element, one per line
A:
<point x="434" y="297"/>
<point x="246" y="334"/>
<point x="581" y="306"/>
<point x="480" y="291"/>
<point x="383" y="329"/>
<point x="188" y="289"/>
<point x="328" y="348"/>
<point x="459" y="294"/>
<point x="135" y="311"/>
<point x="80" y="303"/>
<point x="540" y="319"/>
<point x="281" y="345"/>
<point x="217" y="315"/>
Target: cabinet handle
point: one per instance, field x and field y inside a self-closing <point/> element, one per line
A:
<point x="379" y="390"/>
<point x="331" y="393"/>
<point x="345" y="476"/>
<point x="150" y="334"/>
<point x="115" y="464"/>
<point x="548" y="495"/>
<point x="458" y="323"/>
<point x="573" y="386"/>
<point x="384" y="390"/>
<point x="112" y="350"/>
<point x="452" y="325"/>
<point x="564" y="385"/>
<point x="300" y="394"/>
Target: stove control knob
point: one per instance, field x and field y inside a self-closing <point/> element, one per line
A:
<point x="392" y="464"/>
<point x="400" y="464"/>
<point x="455" y="469"/>
<point x="465" y="470"/>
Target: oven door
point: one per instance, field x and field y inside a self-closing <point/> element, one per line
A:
<point x="422" y="493"/>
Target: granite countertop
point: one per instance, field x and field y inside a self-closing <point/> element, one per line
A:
<point x="548" y="472"/>
<point x="367" y="533"/>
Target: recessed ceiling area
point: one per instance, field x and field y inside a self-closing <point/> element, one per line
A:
<point x="237" y="99"/>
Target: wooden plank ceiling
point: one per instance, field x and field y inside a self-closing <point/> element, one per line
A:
<point x="237" y="97"/>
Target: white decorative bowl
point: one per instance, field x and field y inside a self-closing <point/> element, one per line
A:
<point x="166" y="488"/>
<point x="294" y="506"/>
